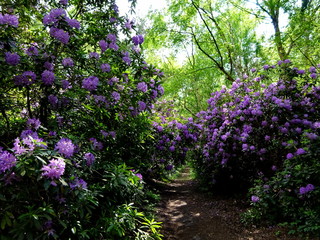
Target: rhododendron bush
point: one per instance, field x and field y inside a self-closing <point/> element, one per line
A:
<point x="74" y="103"/>
<point x="265" y="128"/>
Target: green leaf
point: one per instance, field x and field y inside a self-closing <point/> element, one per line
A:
<point x="3" y="223"/>
<point x="23" y="172"/>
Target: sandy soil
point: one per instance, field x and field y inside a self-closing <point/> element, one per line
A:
<point x="189" y="214"/>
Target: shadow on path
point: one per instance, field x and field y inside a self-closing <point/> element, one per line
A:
<point x="188" y="214"/>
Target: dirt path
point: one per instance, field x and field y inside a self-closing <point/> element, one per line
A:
<point x="188" y="214"/>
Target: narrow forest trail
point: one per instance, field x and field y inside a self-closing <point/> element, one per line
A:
<point x="188" y="214"/>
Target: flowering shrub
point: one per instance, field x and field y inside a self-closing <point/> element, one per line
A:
<point x="173" y="138"/>
<point x="256" y="130"/>
<point x="291" y="196"/>
<point x="250" y="128"/>
<point x="75" y="101"/>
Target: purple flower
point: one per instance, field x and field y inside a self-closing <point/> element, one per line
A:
<point x="18" y="148"/>
<point x="33" y="123"/>
<point x="111" y="37"/>
<point x="289" y="155"/>
<point x="300" y="151"/>
<point x="274" y="119"/>
<point x="313" y="75"/>
<point x="65" y="84"/>
<point x="12" y="58"/>
<point x="65" y="147"/>
<point x="308" y="188"/>
<point x="103" y="45"/>
<point x="47" y="77"/>
<point x="169" y="167"/>
<point x="27" y="133"/>
<point x="67" y="62"/>
<point x="7" y="161"/>
<point x="53" y="100"/>
<point x="60" y="35"/>
<point x="142" y="86"/>
<point x="26" y="79"/>
<point x="301" y="72"/>
<point x="312" y="69"/>
<point x="142" y="105"/>
<point x="253" y="70"/>
<point x="63" y="2"/>
<point x="255" y="199"/>
<point x="266" y="67"/>
<point x="105" y="67"/>
<point x="94" y="55"/>
<point x="54" y="16"/>
<point x="32" y="51"/>
<point x="90" y="158"/>
<point x="90" y="83"/>
<point x="49" y="66"/>
<point x="115" y="95"/>
<point x="172" y="148"/>
<point x="54" y="169"/>
<point x="312" y="136"/>
<point x="112" y="134"/>
<point x="137" y="39"/>
<point x="96" y="144"/>
<point x="78" y="183"/>
<point x="267" y="138"/>
<point x="114" y="46"/>
<point x="112" y="20"/>
<point x="139" y="175"/>
<point x="8" y="19"/>
<point x="73" y="23"/>
<point x="160" y="90"/>
<point x="128" y="24"/>
<point x="126" y="58"/>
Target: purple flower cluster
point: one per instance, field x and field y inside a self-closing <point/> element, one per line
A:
<point x="126" y="58"/>
<point x="111" y="42"/>
<point x="55" y="168"/>
<point x="103" y="45"/>
<point x="7" y="161"/>
<point x="90" y="158"/>
<point x="67" y="62"/>
<point x="306" y="189"/>
<point x="137" y="40"/>
<point x="54" y="16"/>
<point x="105" y="67"/>
<point x="12" y="58"/>
<point x="73" y="23"/>
<point x="60" y="35"/>
<point x="78" y="183"/>
<point x="65" y="147"/>
<point x="94" y="55"/>
<point x="32" y="51"/>
<point x="47" y="77"/>
<point x="255" y="199"/>
<point x="57" y="15"/>
<point x="33" y="123"/>
<point x="10" y="20"/>
<point x="90" y="83"/>
<point x="25" y="79"/>
<point x="96" y="144"/>
<point x="28" y="144"/>
<point x="142" y="86"/>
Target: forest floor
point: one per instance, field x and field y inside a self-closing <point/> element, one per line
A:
<point x="189" y="214"/>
